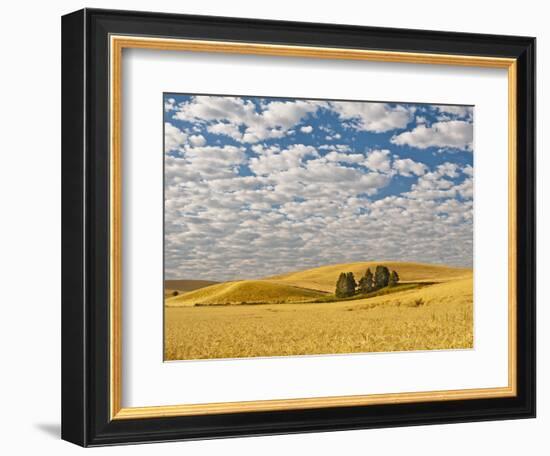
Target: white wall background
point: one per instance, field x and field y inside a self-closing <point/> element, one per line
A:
<point x="30" y="227"/>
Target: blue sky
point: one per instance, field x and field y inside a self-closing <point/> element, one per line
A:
<point x="256" y="186"/>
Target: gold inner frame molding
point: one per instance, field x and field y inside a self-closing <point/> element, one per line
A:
<point x="117" y="45"/>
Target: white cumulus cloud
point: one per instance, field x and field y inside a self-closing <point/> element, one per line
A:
<point x="458" y="111"/>
<point x="174" y="138"/>
<point x="242" y="120"/>
<point x="378" y="160"/>
<point x="375" y="117"/>
<point x="452" y="134"/>
<point x="408" y="167"/>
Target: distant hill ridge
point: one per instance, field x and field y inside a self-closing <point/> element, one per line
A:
<point x="187" y="285"/>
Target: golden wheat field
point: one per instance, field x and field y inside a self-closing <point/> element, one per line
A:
<point x="278" y="316"/>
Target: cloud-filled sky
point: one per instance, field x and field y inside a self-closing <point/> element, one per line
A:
<point x="256" y="186"/>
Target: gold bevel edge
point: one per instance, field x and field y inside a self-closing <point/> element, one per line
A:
<point x="115" y="211"/>
<point x="309" y="403"/>
<point x="117" y="43"/>
<point x="512" y="226"/>
<point x="235" y="47"/>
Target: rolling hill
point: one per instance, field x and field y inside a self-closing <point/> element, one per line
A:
<point x="304" y="286"/>
<point x="324" y="278"/>
<point x="244" y="291"/>
<point x="183" y="286"/>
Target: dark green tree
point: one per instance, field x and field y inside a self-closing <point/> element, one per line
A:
<point x="394" y="278"/>
<point x="362" y="285"/>
<point x="351" y="283"/>
<point x="381" y="277"/>
<point x="341" y="286"/>
<point x="366" y="283"/>
<point x="369" y="278"/>
<point x="345" y="286"/>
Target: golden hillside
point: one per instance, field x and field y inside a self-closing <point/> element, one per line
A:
<point x="324" y="278"/>
<point x="243" y="291"/>
<point x="183" y="286"/>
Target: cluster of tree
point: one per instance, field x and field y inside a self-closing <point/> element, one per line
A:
<point x="346" y="285"/>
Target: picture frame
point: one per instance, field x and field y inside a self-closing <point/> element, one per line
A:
<point x="92" y="171"/>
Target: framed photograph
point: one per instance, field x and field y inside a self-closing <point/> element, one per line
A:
<point x="279" y="227"/>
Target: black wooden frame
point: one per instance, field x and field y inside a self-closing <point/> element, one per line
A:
<point x="85" y="224"/>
